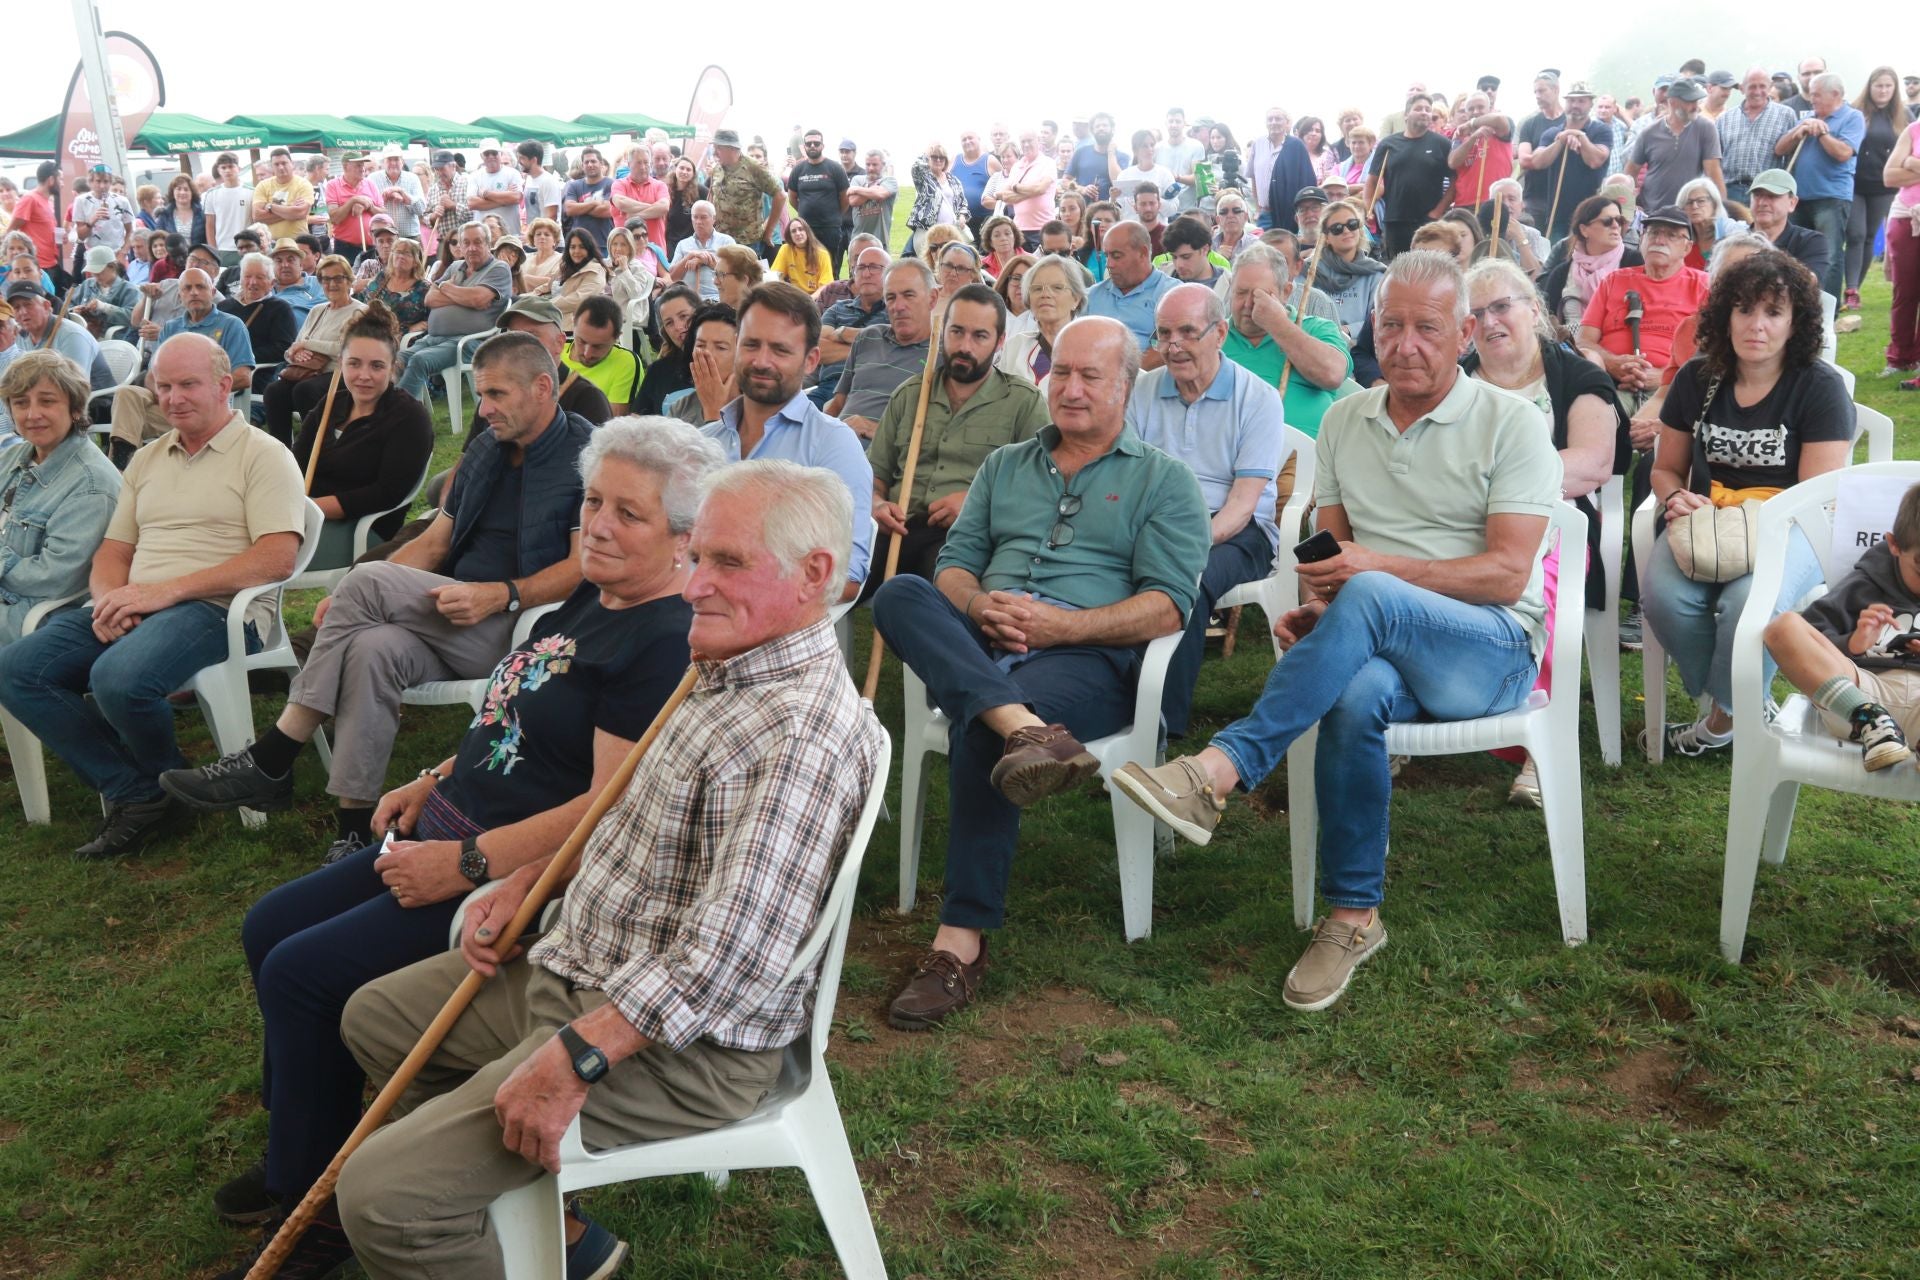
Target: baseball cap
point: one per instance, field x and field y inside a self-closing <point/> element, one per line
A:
<point x="1722" y="79"/>
<point x="24" y="289"/>
<point x="847" y="144"/>
<point x="98" y="257"/>
<point x="1310" y="193"/>
<point x="1687" y="90"/>
<point x="1548" y="73"/>
<point x="285" y="244"/>
<point x="354" y="157"/>
<point x="1910" y="79"/>
<point x="727" y="138"/>
<point x="1786" y="77"/>
<point x="1776" y="182"/>
<point x="1578" y="89"/>
<point x="1330" y="181"/>
<point x="1490" y="83"/>
<point x="1672" y="215"/>
<point x="490" y="150"/>
<point x="442" y="158"/>
<point x="533" y="307"/>
<point x="380" y="222"/>
<point x="1664" y="80"/>
<point x="101" y="168"/>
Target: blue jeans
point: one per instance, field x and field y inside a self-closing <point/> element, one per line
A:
<point x="425" y="358"/>
<point x="1739" y="192"/>
<point x="310" y="944"/>
<point x="1695" y="621"/>
<point x="1828" y="215"/>
<point x="1384" y="652"/>
<point x="1087" y="688"/>
<point x="121" y="740"/>
<point x="1245" y="557"/>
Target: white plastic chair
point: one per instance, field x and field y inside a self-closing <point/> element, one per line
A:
<point x="220" y="689"/>
<point x="1547" y="727"/>
<point x="451" y="693"/>
<point x="456" y="376"/>
<point x="1134" y="830"/>
<point x="1603" y="624"/>
<point x="123" y="358"/>
<point x="29" y="761"/>
<point x="1829" y="337"/>
<point x="1871" y="423"/>
<point x="1279" y="591"/>
<point x="1772" y="760"/>
<point x="797" y="1125"/>
<point x="328" y="579"/>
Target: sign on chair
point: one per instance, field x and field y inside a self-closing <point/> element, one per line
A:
<point x="1863" y="511"/>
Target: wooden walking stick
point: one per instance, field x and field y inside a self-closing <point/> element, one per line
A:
<point x="906" y="488"/>
<point x="1795" y="157"/>
<point x="326" y="418"/>
<point x="1494" y="240"/>
<point x="1306" y="296"/>
<point x="1558" y="179"/>
<point x="268" y="1263"/>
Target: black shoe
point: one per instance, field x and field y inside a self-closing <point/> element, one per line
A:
<point x="243" y="1200"/>
<point x="127" y="829"/>
<point x="323" y="1248"/>
<point x="344" y="847"/>
<point x="231" y="782"/>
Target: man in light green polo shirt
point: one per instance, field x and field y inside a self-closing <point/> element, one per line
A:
<point x="972" y="410"/>
<point x="1264" y="336"/>
<point x="1438" y="489"/>
<point x="596" y="354"/>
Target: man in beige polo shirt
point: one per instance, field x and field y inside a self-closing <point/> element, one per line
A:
<point x="207" y="510"/>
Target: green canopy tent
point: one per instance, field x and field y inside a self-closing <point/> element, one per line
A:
<point x="317" y="132"/>
<point x="175" y="133"/>
<point x="624" y="122"/>
<point x="35" y="142"/>
<point x="554" y="132"/>
<point x="427" y="131"/>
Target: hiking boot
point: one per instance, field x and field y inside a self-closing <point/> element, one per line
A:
<point x="323" y="1248"/>
<point x="128" y="829"/>
<point x="941" y="986"/>
<point x="1632" y="634"/>
<point x="231" y="782"/>
<point x="1693" y="738"/>
<point x="244" y="1200"/>
<point x="596" y="1255"/>
<point x="1525" y="791"/>
<point x="1882" y="745"/>
<point x="1324" y="969"/>
<point x="1850" y="301"/>
<point x="344" y="847"/>
<point x="1039" y="761"/>
<point x="1178" y="793"/>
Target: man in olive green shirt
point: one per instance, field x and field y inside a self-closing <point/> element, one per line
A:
<point x="1074" y="549"/>
<point x="971" y="411"/>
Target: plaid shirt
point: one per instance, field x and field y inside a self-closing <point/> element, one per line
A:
<point x="446" y="223"/>
<point x="1746" y="146"/>
<point x="699" y="886"/>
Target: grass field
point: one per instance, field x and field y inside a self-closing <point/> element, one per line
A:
<point x="1486" y="1102"/>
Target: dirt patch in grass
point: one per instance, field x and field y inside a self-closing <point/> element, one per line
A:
<point x="142" y="870"/>
<point x="1895" y="964"/>
<point x="1649" y="1083"/>
<point x="996" y="1036"/>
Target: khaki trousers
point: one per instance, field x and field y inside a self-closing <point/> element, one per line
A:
<point x="414" y="1197"/>
<point x="137" y="416"/>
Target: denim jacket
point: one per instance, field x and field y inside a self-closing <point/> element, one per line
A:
<point x="550" y="490"/>
<point x="57" y="518"/>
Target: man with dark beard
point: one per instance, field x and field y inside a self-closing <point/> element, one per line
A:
<point x="971" y="411"/>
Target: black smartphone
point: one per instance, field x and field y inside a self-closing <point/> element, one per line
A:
<point x="1899" y="643"/>
<point x="1321" y="546"/>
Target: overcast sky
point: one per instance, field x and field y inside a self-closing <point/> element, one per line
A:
<point x="308" y="59"/>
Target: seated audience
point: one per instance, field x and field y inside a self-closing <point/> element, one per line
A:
<point x="138" y="415"/>
<point x="1594" y="250"/>
<point x="802" y="261"/>
<point x="60" y="490"/>
<point x="188" y="532"/>
<point x="672" y="370"/>
<point x="1668" y="291"/>
<point x="1266" y="339"/>
<point x="104" y="300"/>
<point x="401" y="286"/>
<point x="291" y="282"/>
<point x="542" y="266"/>
<point x="582" y="275"/>
<point x="1762" y="411"/>
<point x="1132" y="288"/>
<point x="711" y="336"/>
<point x="696" y="255"/>
<point x="865" y="304"/>
<point x="1774" y="196"/>
<point x="883" y="356"/>
<point x="1056" y="294"/>
<point x="561" y="713"/>
<point x="1030" y="636"/>
<point x="737" y="270"/>
<point x="466" y="300"/>
<point x="1436" y="480"/>
<point x="595" y="353"/>
<point x="1345" y="272"/>
<point x="40" y="327"/>
<point x="632" y="270"/>
<point x="308" y="371"/>
<point x="269" y="321"/>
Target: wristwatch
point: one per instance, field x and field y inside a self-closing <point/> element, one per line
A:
<point x="588" y="1062"/>
<point x="513" y="596"/>
<point x="473" y="863"/>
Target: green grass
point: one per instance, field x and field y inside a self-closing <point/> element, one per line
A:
<point x="1486" y="1102"/>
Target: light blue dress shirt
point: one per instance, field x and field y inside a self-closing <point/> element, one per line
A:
<point x="801" y="433"/>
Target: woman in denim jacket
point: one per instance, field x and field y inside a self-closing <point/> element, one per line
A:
<point x="57" y="491"/>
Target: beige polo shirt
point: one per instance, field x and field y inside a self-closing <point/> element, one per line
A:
<point x="187" y="512"/>
<point x="1426" y="492"/>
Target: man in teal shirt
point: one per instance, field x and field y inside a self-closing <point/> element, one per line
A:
<point x="1265" y="337"/>
<point x="1073" y="550"/>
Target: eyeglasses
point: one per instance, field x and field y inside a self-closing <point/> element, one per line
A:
<point x="1611" y="220"/>
<point x="1499" y="308"/>
<point x="334" y="277"/>
<point x="1341" y="228"/>
<point x="937" y="159"/>
<point x="1185" y="335"/>
<point x="1062" y="533"/>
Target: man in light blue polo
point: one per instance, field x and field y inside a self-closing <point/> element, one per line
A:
<point x="137" y="416"/>
<point x="1828" y="141"/>
<point x="1225" y="423"/>
<point x="778" y="346"/>
<point x="1132" y="289"/>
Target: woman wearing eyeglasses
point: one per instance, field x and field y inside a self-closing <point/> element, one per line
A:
<point x="1346" y="274"/>
<point x="1514" y="348"/>
<point x="1088" y="244"/>
<point x="314" y="350"/>
<point x="938" y="197"/>
<point x="1056" y="293"/>
<point x="1595" y="249"/>
<point x="1700" y="199"/>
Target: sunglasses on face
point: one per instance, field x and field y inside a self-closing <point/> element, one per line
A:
<point x="1611" y="220"/>
<point x="1341" y="228"/>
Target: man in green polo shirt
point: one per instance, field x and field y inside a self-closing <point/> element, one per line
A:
<point x="972" y="410"/>
<point x="1264" y="337"/>
<point x="1074" y="549"/>
<point x="1438" y="489"/>
<point x="596" y="354"/>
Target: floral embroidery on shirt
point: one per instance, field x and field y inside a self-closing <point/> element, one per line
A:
<point x="522" y="671"/>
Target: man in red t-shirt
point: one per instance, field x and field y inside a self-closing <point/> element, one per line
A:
<point x="1482" y="153"/>
<point x="641" y="195"/>
<point x="1669" y="292"/>
<point x="33" y="214"/>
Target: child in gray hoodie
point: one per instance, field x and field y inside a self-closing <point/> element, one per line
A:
<point x="1856" y="650"/>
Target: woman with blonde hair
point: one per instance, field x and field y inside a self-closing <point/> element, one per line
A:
<point x="1346" y="273"/>
<point x="402" y="286"/>
<point x="314" y="351"/>
<point x="938" y="198"/>
<point x="803" y="261"/>
<point x="630" y="273"/>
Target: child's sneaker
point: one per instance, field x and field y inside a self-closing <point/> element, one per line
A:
<point x="1882" y="745"/>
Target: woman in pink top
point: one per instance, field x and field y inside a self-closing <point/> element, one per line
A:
<point x="1903" y="256"/>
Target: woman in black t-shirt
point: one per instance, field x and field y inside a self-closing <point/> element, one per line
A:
<point x="1755" y="412"/>
<point x="560" y="714"/>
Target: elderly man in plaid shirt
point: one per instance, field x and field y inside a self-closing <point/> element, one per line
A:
<point x="691" y="898"/>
